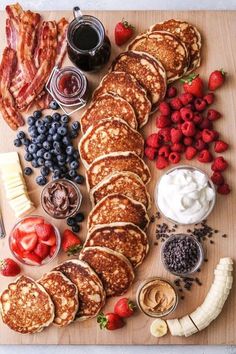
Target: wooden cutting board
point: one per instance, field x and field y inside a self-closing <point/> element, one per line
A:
<point x="219" y="47"/>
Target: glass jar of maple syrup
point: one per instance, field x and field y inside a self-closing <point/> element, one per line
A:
<point x="88" y="46"/>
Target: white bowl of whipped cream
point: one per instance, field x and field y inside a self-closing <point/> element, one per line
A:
<point x="185" y="195"/>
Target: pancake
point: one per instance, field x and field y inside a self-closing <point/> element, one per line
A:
<point x="149" y="72"/>
<point x="126" y="86"/>
<point x="188" y="34"/>
<point x="124" y="238"/>
<point x="105" y="165"/>
<point x="118" y="208"/>
<point x="126" y="183"/>
<point x="106" y="106"/>
<point x="167" y="48"/>
<point x="109" y="135"/>
<point x="114" y="270"/>
<point x="26" y="307"/>
<point x="64" y="295"/>
<point x="90" y="289"/>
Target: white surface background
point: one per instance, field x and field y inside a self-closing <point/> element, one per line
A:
<point x="122" y="5"/>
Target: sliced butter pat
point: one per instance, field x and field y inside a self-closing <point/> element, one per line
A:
<point x="23" y="212"/>
<point x="9" y="157"/>
<point x="16" y="192"/>
<point x="10" y="169"/>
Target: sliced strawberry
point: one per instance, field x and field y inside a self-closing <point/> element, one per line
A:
<point x="28" y="225"/>
<point x="42" y="250"/>
<point x="17" y="248"/>
<point x="43" y="231"/>
<point x="29" y="241"/>
<point x="32" y="258"/>
<point x="51" y="241"/>
<point x="52" y="250"/>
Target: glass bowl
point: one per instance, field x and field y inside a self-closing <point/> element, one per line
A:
<point x="211" y="204"/>
<point x="13" y="242"/>
<point x="152" y="313"/>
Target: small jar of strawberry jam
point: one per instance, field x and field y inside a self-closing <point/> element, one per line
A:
<point x="69" y="86"/>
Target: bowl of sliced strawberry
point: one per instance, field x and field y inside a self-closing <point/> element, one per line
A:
<point x="34" y="241"/>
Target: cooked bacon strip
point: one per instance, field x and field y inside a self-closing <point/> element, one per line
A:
<point x="62" y="27"/>
<point x="11" y="34"/>
<point x="7" y="104"/>
<point x="14" y="12"/>
<point x="43" y="101"/>
<point x="47" y="41"/>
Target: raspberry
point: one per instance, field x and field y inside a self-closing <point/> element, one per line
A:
<point x="223" y="189"/>
<point x="219" y="164"/>
<point x="176" y="117"/>
<point x="186" y="98"/>
<point x="190" y="152"/>
<point x="198" y="135"/>
<point x="209" y="98"/>
<point x="177" y="147"/>
<point x="164" y="135"/>
<point x="208" y="136"/>
<point x="206" y="124"/>
<point x="164" y="151"/>
<point x="205" y="156"/>
<point x="153" y="140"/>
<point x="163" y="121"/>
<point x="190" y="106"/>
<point x="197" y="118"/>
<point x="200" y="145"/>
<point x="220" y="146"/>
<point x="174" y="157"/>
<point x="164" y="108"/>
<point x="175" y="104"/>
<point x="199" y="104"/>
<point x="217" y="178"/>
<point x="188" y="129"/>
<point x="171" y="92"/>
<point x="216" y="134"/>
<point x="212" y="114"/>
<point x="176" y="135"/>
<point x="161" y="163"/>
<point x="150" y="153"/>
<point x="188" y="141"/>
<point x="186" y="114"/>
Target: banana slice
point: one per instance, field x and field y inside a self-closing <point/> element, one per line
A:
<point x="224" y="273"/>
<point x="158" y="328"/>
<point x="175" y="327"/>
<point x="225" y="267"/>
<point x="188" y="326"/>
<point x="226" y="260"/>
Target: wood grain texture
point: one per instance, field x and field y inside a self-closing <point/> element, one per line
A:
<point x="219" y="48"/>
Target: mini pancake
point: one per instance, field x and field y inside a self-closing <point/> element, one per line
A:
<point x="108" y="164"/>
<point x="126" y="86"/>
<point x="90" y="289"/>
<point x="167" y="48"/>
<point x="109" y="135"/>
<point x="188" y="34"/>
<point x="118" y="208"/>
<point x="106" y="106"/>
<point x="112" y="267"/>
<point x="149" y="72"/>
<point x="126" y="183"/>
<point x="125" y="238"/>
<point x="64" y="295"/>
<point x="26" y="307"/>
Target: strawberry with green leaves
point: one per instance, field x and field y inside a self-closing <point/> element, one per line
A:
<point x="193" y="84"/>
<point x="71" y="243"/>
<point x="9" y="268"/>
<point x="216" y="79"/>
<point x="124" y="307"/>
<point x="110" y="321"/>
<point x="123" y="32"/>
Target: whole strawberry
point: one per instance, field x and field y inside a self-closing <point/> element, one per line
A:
<point x="71" y="243"/>
<point x="216" y="79"/>
<point x="110" y="321"/>
<point x="123" y="32"/>
<point x="9" y="268"/>
<point x="124" y="307"/>
<point x="194" y="85"/>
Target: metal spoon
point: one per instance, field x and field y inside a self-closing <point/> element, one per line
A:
<point x="2" y="227"/>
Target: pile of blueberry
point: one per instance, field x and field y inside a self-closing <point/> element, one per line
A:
<point x="50" y="147"/>
<point x="74" y="221"/>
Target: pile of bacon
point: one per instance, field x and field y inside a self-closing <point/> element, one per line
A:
<point x="34" y="47"/>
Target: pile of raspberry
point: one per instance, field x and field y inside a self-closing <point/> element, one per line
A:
<point x="185" y="130"/>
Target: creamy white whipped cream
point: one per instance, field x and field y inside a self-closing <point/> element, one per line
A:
<point x="184" y="195"/>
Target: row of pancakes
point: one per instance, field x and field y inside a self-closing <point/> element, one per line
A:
<point x="111" y="150"/>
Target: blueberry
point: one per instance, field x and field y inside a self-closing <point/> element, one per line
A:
<point x="44" y="171"/>
<point x="42" y="129"/>
<point x="56" y="137"/>
<point x="40" y="152"/>
<point x="39" y="122"/>
<point x="47" y="145"/>
<point x="75" y="228"/>
<point x="72" y="173"/>
<point x="48" y="163"/>
<point x="34" y="163"/>
<point x="47" y="155"/>
<point x="62" y="131"/>
<point x="33" y="148"/>
<point x="69" y="150"/>
<point x="49" y="138"/>
<point x="57" y="172"/>
<point x="21" y="135"/>
<point x="26" y="148"/>
<point x="79" y="217"/>
<point x="37" y="114"/>
<point x="66" y="140"/>
<point x="76" y="154"/>
<point x="48" y="119"/>
<point x="79" y="179"/>
<point x="71" y="221"/>
<point x="74" y="134"/>
<point x="53" y="105"/>
<point x="75" y="126"/>
<point x="28" y="157"/>
<point x="40" y="161"/>
<point x="41" y="180"/>
<point x="64" y="118"/>
<point x="74" y="165"/>
<point x="56" y="145"/>
<point x="69" y="159"/>
<point x="31" y="120"/>
<point x="56" y="117"/>
<point x="41" y="138"/>
<point x="33" y="132"/>
<point x="17" y="142"/>
<point x="28" y="171"/>
<point x="25" y="141"/>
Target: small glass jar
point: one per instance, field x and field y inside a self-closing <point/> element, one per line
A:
<point x="57" y="192"/>
<point x="88" y="46"/>
<point x="211" y="204"/>
<point x="149" y="283"/>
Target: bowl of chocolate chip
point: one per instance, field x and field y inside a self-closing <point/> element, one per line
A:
<point x="61" y="198"/>
<point x="182" y="254"/>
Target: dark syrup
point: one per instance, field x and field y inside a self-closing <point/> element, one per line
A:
<point x="85" y="37"/>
